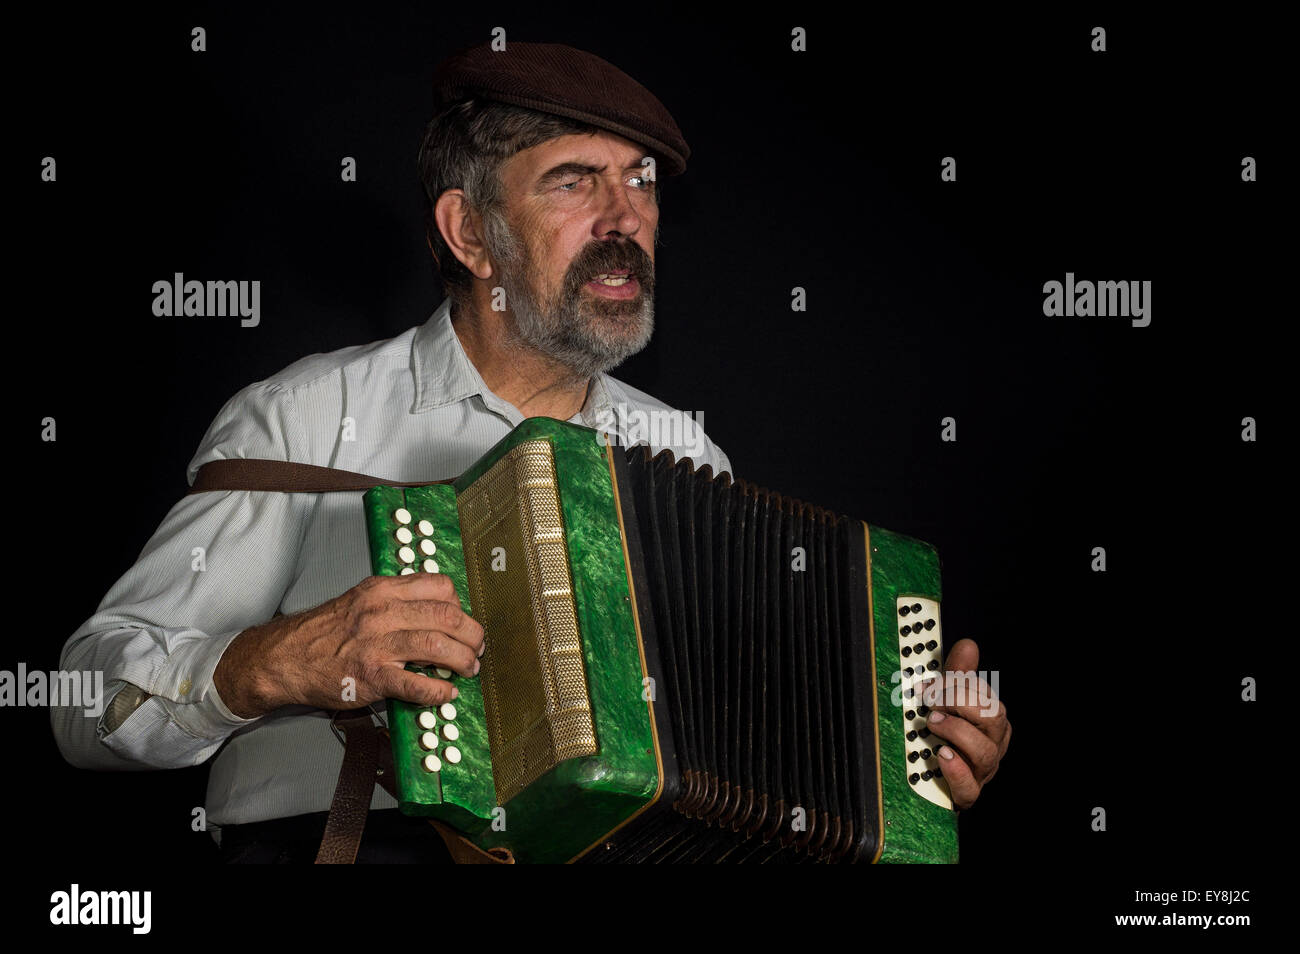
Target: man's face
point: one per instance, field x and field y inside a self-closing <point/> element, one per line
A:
<point x="574" y="249"/>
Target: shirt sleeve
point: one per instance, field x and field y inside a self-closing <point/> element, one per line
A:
<point x="712" y="455"/>
<point x="698" y="446"/>
<point x="220" y="562"/>
<point x="724" y="462"/>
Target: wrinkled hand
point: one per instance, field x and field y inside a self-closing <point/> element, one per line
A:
<point x="365" y="636"/>
<point x="968" y="716"/>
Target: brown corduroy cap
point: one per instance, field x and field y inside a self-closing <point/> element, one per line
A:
<point x="557" y="79"/>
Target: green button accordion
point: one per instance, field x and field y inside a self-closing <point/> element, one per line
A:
<point x="679" y="667"/>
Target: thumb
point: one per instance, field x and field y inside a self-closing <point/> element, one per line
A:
<point x="963" y="657"/>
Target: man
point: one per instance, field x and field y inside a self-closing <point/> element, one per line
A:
<point x="542" y="168"/>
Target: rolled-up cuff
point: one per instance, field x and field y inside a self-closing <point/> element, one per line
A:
<point x="185" y="683"/>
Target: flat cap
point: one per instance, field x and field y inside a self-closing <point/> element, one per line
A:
<point x="557" y="79"/>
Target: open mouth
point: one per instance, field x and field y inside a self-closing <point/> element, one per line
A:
<point x="619" y="283"/>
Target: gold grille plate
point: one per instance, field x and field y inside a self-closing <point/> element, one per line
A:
<point x="533" y="676"/>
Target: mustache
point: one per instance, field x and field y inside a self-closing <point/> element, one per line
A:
<point x="598" y="257"/>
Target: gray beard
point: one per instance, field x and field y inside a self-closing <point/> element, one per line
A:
<point x="581" y="334"/>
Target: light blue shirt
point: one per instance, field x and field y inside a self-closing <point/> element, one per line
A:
<point x="411" y="408"/>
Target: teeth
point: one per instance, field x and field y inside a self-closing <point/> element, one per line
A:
<point x="612" y="280"/>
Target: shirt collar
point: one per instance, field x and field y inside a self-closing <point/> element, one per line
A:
<point x="599" y="400"/>
<point x="445" y="375"/>
<point x="443" y="372"/>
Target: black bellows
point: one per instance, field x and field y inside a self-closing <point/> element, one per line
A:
<point x="753" y="608"/>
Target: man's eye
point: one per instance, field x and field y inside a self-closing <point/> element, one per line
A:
<point x="570" y="186"/>
<point x="642" y="182"/>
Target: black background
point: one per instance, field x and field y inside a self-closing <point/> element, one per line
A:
<point x="817" y="169"/>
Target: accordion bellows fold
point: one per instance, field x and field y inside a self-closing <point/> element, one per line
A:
<point x="679" y="667"/>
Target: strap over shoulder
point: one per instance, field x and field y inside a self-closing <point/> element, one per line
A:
<point x="283" y="476"/>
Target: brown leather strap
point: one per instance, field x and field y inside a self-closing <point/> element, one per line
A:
<point x="465" y="852"/>
<point x="284" y="476"/>
<point x="360" y="771"/>
<point x="347" y="817"/>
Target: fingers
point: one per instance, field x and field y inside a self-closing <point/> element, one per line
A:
<point x="431" y="647"/>
<point x="413" y="586"/>
<point x="431" y="614"/>
<point x="1002" y="746"/>
<point x="410" y="619"/>
<point x="961" y="779"/>
<point x="964" y="656"/>
<point x="417" y="688"/>
<point x="444" y="617"/>
<point x="967" y="715"/>
<point x="415" y="594"/>
<point x="971" y="698"/>
<point x="980" y="751"/>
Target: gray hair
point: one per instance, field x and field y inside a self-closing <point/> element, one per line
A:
<point x="464" y="147"/>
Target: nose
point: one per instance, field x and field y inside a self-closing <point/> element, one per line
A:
<point x="617" y="216"/>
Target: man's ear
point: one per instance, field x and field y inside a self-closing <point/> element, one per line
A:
<point x="462" y="229"/>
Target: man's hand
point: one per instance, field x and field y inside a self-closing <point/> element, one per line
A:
<point x="368" y="634"/>
<point x="977" y="730"/>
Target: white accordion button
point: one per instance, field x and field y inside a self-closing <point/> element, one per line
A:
<point x="452" y="754"/>
<point x="450" y="732"/>
<point x="402" y="515"/>
<point x="406" y="570"/>
<point x="430" y="566"/>
<point x="404" y="535"/>
<point x="432" y="763"/>
<point x="426" y="547"/>
<point x="447" y="711"/>
<point x="429" y="741"/>
<point x="443" y="673"/>
<point x="426" y="719"/>
<point x="406" y="555"/>
<point x="425" y="528"/>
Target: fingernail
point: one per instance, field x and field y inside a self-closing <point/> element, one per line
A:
<point x="945" y="753"/>
<point x="936" y="716"/>
<point x="477" y="666"/>
<point x="455" y="693"/>
<point x="480" y="650"/>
